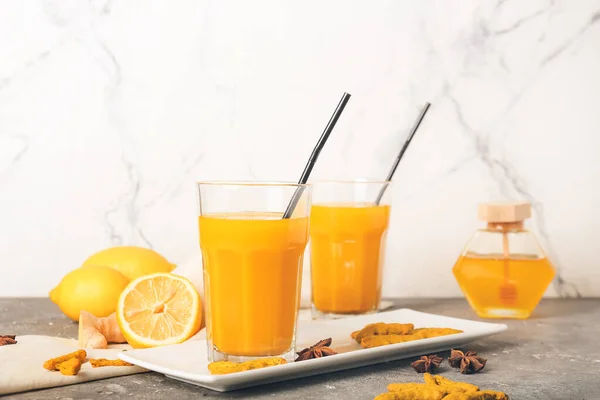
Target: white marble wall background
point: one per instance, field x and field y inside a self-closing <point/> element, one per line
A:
<point x="111" y="110"/>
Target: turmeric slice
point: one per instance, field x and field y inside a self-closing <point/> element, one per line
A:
<point x="70" y="367"/>
<point x="228" y="367"/>
<point x="382" y="328"/>
<point x="54" y="363"/>
<point x="103" y="362"/>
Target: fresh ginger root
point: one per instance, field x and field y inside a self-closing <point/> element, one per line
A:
<point x="70" y="367"/>
<point x="103" y="362"/>
<point x="54" y="363"/>
<point x="228" y="367"/>
<point x="96" y="333"/>
<point x="436" y="387"/>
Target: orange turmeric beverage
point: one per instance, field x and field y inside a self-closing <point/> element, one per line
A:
<point x="347" y="251"/>
<point x="252" y="278"/>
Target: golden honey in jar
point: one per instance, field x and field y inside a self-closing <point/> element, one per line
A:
<point x="503" y="271"/>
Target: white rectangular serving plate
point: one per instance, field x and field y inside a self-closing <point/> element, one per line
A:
<point x="188" y="362"/>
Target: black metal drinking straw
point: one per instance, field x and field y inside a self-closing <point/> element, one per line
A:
<point x="315" y="154"/>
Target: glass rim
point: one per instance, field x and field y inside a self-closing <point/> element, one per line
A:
<point x="355" y="181"/>
<point x="254" y="183"/>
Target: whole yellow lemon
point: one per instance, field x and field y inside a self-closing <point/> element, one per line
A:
<point x="93" y="289"/>
<point x="131" y="261"/>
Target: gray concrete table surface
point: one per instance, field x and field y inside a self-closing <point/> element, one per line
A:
<point x="553" y="355"/>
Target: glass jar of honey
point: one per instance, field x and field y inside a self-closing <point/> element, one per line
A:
<point x="503" y="270"/>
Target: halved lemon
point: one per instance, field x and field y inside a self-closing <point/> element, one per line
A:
<point x="159" y="309"/>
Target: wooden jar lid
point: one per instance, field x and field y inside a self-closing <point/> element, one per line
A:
<point x="505" y="212"/>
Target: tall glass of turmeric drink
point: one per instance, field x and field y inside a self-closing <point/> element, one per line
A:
<point x="348" y="230"/>
<point x="252" y="261"/>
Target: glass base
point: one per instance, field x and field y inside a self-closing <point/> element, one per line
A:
<point x="512" y="313"/>
<point x="215" y="355"/>
<point x="318" y="314"/>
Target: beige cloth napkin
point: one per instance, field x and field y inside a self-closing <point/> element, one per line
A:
<point x="22" y="364"/>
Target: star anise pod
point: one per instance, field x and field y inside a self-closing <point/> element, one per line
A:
<point x="427" y="363"/>
<point x="320" y="349"/>
<point x="469" y="362"/>
<point x="7" y="339"/>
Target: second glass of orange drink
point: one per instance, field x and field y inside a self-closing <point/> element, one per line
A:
<point x="348" y="229"/>
<point x="252" y="261"/>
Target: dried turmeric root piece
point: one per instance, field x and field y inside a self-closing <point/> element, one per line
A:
<point x="228" y="367"/>
<point x="368" y="342"/>
<point x="437" y="387"/>
<point x="410" y="394"/>
<point x="381" y="340"/>
<point x="492" y="395"/>
<point x="224" y="367"/>
<point x="483" y="395"/>
<point x="103" y="362"/>
<point x="407" y="395"/>
<point x="54" y="363"/>
<point x="70" y="367"/>
<point x="457" y="396"/>
<point x="382" y="328"/>
<point x="425" y="333"/>
<point x="399" y="387"/>
<point x="449" y="385"/>
<point x="262" y="363"/>
<point x="429" y="379"/>
<point x="385" y="396"/>
<point x="412" y="391"/>
<point x="373" y="335"/>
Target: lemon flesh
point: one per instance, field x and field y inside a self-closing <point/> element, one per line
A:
<point x="158" y="310"/>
